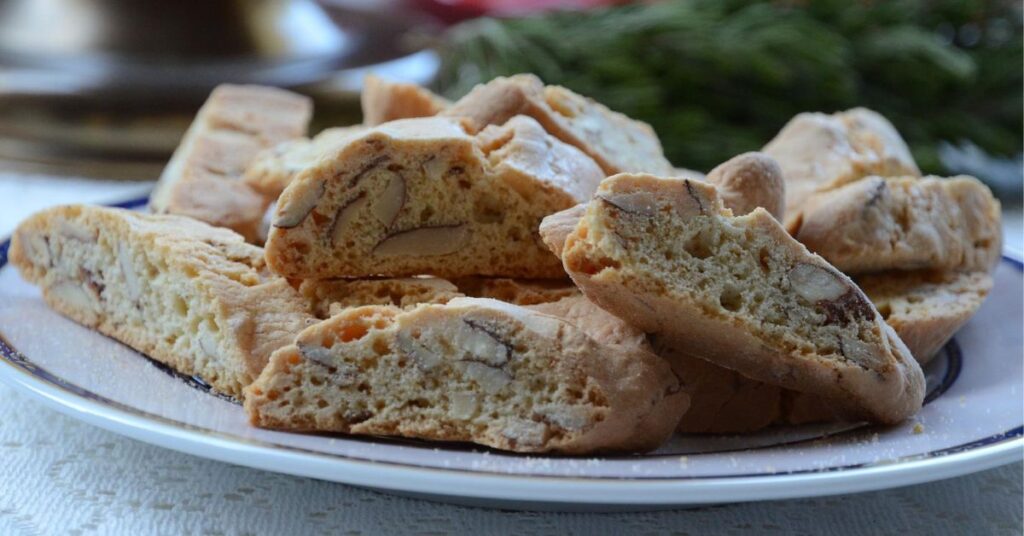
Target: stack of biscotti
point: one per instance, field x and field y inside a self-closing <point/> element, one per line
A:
<point x="921" y="247"/>
<point x="388" y="230"/>
<point x="503" y="270"/>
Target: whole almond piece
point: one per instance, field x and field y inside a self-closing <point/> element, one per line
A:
<point x="346" y="214"/>
<point x="293" y="212"/>
<point x="815" y="284"/>
<point x="424" y="241"/>
<point x="391" y="200"/>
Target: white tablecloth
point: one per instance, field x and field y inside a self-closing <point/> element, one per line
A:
<point x="59" y="476"/>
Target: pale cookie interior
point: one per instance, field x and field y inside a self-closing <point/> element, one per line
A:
<point x="189" y="295"/>
<point x="473" y="370"/>
<point x="926" y="308"/>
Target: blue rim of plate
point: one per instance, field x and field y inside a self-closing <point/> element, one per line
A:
<point x="20" y="363"/>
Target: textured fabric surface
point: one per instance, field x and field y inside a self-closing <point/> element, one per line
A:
<point x="60" y="476"/>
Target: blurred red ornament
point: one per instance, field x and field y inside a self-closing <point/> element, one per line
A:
<point x="451" y="11"/>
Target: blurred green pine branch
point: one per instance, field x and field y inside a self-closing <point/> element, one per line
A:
<point x="719" y="77"/>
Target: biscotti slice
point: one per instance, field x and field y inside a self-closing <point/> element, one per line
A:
<point x="819" y="152"/>
<point x="272" y="169"/>
<point x="384" y="101"/>
<point x="517" y="291"/>
<point x="722" y="401"/>
<point x="904" y="223"/>
<point x="666" y="256"/>
<point x="927" y="307"/>
<point x="473" y="370"/>
<point x="327" y="297"/>
<point x="616" y="142"/>
<point x="202" y="179"/>
<point x="195" y="297"/>
<point x="421" y="196"/>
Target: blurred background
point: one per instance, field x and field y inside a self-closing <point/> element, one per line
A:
<point x="105" y="88"/>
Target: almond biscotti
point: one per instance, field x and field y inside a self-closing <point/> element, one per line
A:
<point x="926" y="307"/>
<point x="202" y="179"/>
<point x="819" y="152"/>
<point x="472" y="370"/>
<point x="272" y="169"/>
<point x="195" y="297"/>
<point x="904" y="223"/>
<point x="421" y="196"/>
<point x="666" y="256"/>
<point x="384" y="100"/>
<point x="616" y="142"/>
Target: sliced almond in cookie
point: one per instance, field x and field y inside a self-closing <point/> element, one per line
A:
<point x="472" y="370"/>
<point x="189" y="295"/>
<point x="422" y="196"/>
<point x="741" y="293"/>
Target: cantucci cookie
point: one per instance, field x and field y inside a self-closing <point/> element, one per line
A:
<point x="926" y="308"/>
<point x="616" y="142"/>
<point x="328" y="297"/>
<point x="904" y="223"/>
<point x="473" y="370"/>
<point x="195" y="297"/>
<point x="421" y="196"/>
<point x="665" y="255"/>
<point x="384" y="101"/>
<point x="743" y="182"/>
<point x="272" y="169"/>
<point x="722" y="401"/>
<point x="202" y="179"/>
<point x="819" y="152"/>
<point x="748" y="181"/>
<point x="517" y="291"/>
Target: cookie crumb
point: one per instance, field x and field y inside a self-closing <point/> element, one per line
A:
<point x="918" y="428"/>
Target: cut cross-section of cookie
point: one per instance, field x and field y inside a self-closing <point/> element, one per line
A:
<point x="904" y="223"/>
<point x="473" y="370"/>
<point x="517" y="291"/>
<point x="203" y="178"/>
<point x="616" y="142"/>
<point x="665" y="255"/>
<point x="327" y="297"/>
<point x="819" y="152"/>
<point x="384" y="100"/>
<point x="722" y="401"/>
<point x="272" y="169"/>
<point x="195" y="297"/>
<point x="421" y="196"/>
<point x="926" y="308"/>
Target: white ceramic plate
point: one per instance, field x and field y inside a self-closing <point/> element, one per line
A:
<point x="972" y="421"/>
